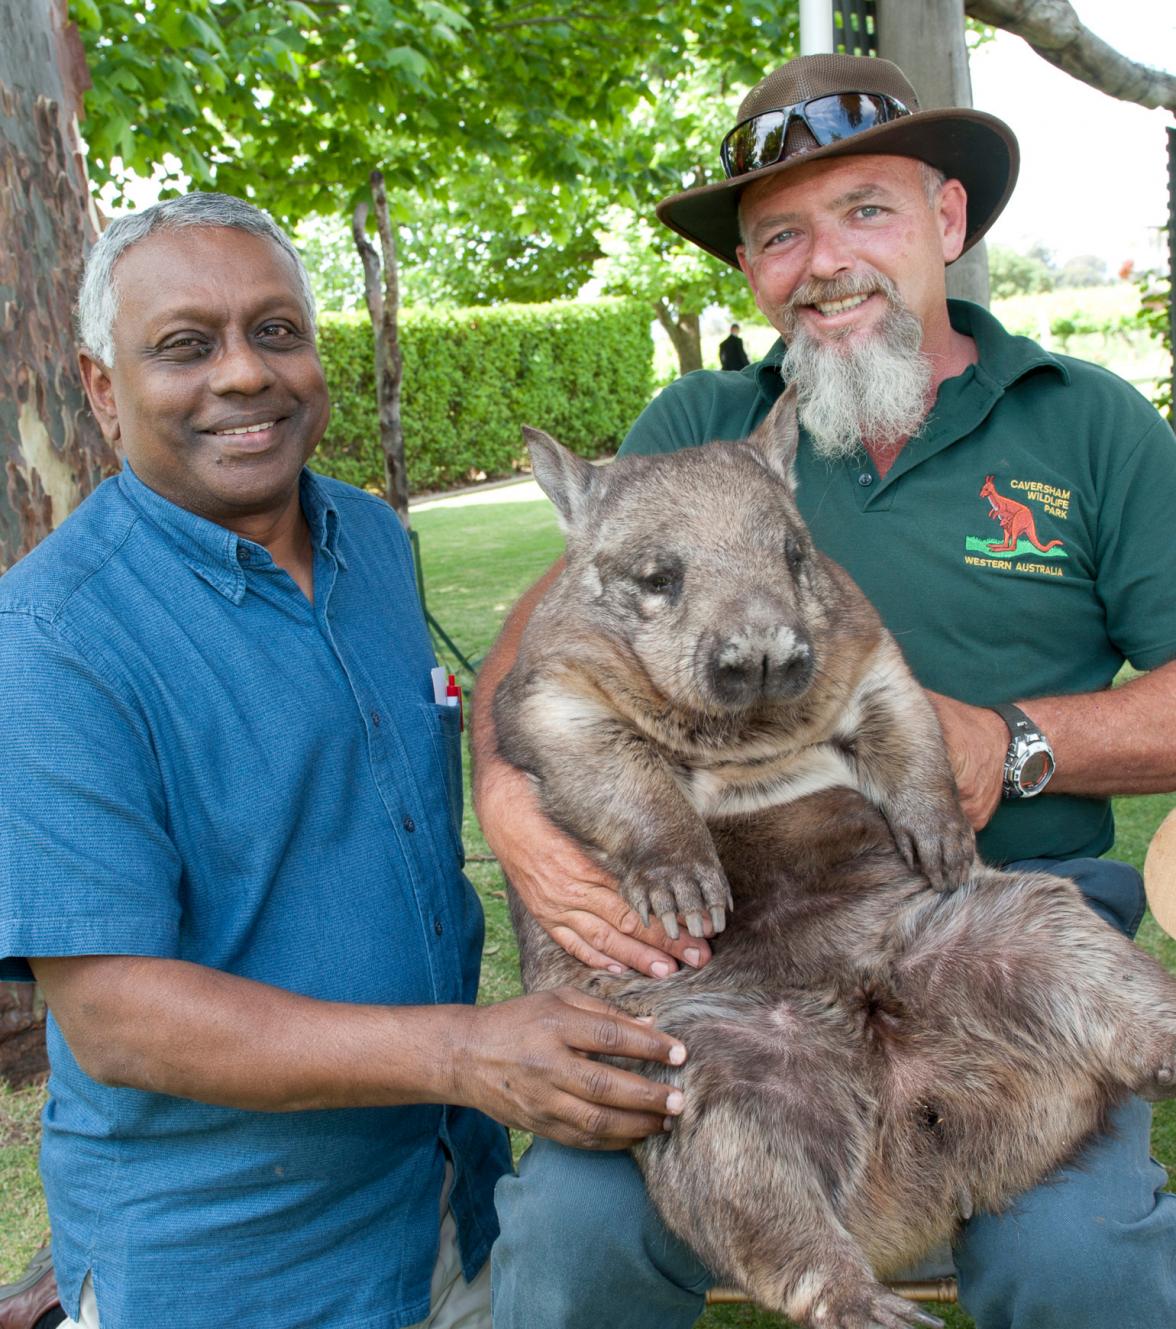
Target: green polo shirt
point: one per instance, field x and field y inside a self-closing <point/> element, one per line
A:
<point x="1079" y="478"/>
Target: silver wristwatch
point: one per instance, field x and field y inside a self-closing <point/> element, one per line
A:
<point x="1029" y="762"/>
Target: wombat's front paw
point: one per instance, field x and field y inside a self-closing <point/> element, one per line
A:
<point x="940" y="845"/>
<point x="872" y="1308"/>
<point x="670" y="889"/>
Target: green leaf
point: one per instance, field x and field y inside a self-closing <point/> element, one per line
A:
<point x="86" y="14"/>
<point x="301" y="13"/>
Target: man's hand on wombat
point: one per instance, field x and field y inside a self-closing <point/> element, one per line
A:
<point x="529" y="1063"/>
<point x="668" y="889"/>
<point x="573" y="899"/>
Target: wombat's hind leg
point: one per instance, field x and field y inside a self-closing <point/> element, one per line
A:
<point x="871" y="1308"/>
<point x="755" y="1171"/>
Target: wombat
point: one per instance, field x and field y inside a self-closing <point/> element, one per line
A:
<point x="890" y="1033"/>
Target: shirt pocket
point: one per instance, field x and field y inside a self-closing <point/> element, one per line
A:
<point x="445" y="732"/>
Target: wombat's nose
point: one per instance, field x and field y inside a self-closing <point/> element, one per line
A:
<point x="760" y="664"/>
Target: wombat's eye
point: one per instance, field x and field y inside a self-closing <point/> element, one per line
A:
<point x="794" y="552"/>
<point x="658" y="583"/>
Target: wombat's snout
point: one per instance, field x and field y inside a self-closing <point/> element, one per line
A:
<point x="758" y="662"/>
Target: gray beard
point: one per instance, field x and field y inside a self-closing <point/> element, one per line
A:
<point x="873" y="390"/>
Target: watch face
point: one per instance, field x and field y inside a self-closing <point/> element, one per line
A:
<point x="1034" y="771"/>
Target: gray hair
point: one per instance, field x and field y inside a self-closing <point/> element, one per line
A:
<point x="933" y="181"/>
<point x="98" y="295"/>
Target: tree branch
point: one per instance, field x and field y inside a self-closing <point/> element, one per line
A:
<point x="372" y="291"/>
<point x="388" y="360"/>
<point x="546" y="18"/>
<point x="1058" y="35"/>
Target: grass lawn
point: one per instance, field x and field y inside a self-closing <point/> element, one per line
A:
<point x="477" y="560"/>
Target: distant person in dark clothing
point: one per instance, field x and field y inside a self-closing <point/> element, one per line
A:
<point x="731" y="351"/>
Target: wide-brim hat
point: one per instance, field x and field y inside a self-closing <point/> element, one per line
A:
<point x="970" y="146"/>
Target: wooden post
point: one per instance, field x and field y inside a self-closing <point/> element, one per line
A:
<point x="1172" y="272"/>
<point x="925" y="39"/>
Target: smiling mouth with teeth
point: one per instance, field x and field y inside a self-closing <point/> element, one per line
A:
<point x="245" y="429"/>
<point x="830" y="307"/>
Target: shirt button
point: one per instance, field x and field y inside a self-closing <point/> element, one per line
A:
<point x="376" y="718"/>
<point x="437" y="926"/>
<point x="408" y="824"/>
<point x="865" y="479"/>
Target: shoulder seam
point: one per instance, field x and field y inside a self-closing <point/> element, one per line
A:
<point x="50" y="613"/>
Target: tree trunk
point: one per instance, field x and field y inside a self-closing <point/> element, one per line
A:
<point x="52" y="452"/>
<point x="925" y="39"/>
<point x="685" y="335"/>
<point x="50" y="448"/>
<point x="383" y="303"/>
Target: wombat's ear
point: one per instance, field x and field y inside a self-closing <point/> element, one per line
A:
<point x="565" y="478"/>
<point x="776" y="438"/>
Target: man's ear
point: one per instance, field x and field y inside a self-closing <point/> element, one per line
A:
<point x="100" y="393"/>
<point x="952" y="215"/>
<point x="747" y="270"/>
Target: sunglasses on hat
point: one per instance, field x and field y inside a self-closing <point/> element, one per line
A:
<point x="759" y="140"/>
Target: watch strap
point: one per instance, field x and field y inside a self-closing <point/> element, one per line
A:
<point x="1020" y="725"/>
<point x="1025" y="741"/>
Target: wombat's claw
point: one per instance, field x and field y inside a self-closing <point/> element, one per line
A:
<point x="718" y="918"/>
<point x="1160" y="1084"/>
<point x="907" y="1315"/>
<point x="878" y="1310"/>
<point x="943" y="854"/>
<point x="673" y="889"/>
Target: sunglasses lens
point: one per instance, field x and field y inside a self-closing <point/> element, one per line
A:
<point x="755" y="143"/>
<point x="842" y="116"/>
<point x="760" y="141"/>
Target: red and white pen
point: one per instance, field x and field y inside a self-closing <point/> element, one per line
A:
<point x="453" y="697"/>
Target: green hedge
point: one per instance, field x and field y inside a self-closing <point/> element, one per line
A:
<point x="472" y="377"/>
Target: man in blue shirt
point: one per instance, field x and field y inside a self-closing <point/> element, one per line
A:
<point x="230" y="854"/>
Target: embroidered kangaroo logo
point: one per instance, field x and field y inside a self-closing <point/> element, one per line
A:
<point x="1016" y="520"/>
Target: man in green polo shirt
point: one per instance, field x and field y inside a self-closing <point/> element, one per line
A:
<point x="1009" y="513"/>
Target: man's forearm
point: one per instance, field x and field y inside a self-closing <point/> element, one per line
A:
<point x="171" y="1027"/>
<point x="1120" y="741"/>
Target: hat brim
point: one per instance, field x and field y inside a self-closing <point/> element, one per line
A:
<point x="977" y="149"/>
<point x="1159" y="874"/>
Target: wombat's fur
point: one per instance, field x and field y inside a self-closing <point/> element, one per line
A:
<point x="712" y="709"/>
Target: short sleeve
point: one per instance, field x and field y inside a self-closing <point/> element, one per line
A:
<point x="86" y="863"/>
<point x="1137" y="551"/>
<point x="671" y="421"/>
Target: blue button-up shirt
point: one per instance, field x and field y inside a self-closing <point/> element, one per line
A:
<point x="203" y="765"/>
